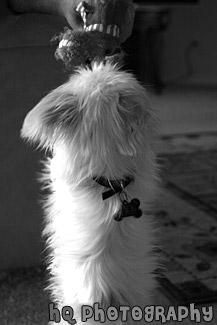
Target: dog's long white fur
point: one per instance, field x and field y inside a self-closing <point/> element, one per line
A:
<point x="97" y="124"/>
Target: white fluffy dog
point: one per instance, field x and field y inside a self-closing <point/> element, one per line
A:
<point x="98" y="128"/>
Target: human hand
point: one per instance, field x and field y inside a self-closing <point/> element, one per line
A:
<point x="68" y="10"/>
<point x="128" y="24"/>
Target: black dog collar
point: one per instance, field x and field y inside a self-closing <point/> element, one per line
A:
<point x="115" y="185"/>
<point x="128" y="209"/>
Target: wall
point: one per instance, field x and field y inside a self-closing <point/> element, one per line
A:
<point x="190" y="23"/>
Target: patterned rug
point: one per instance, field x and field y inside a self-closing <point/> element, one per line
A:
<point x="187" y="213"/>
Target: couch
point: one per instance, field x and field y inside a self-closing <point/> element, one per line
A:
<point x="28" y="71"/>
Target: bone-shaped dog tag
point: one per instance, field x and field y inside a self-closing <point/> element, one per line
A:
<point x="129" y="209"/>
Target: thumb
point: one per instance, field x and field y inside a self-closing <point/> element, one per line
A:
<point x="127" y="28"/>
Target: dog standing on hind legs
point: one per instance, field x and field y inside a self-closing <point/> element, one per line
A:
<point x="97" y="127"/>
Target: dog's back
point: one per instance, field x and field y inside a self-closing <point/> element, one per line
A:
<point x="102" y="173"/>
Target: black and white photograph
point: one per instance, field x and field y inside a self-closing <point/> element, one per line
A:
<point x="108" y="178"/>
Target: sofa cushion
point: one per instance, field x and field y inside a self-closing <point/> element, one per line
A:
<point x="30" y="29"/>
<point x="28" y="72"/>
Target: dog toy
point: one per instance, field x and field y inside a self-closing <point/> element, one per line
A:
<point x="104" y="25"/>
<point x="80" y="48"/>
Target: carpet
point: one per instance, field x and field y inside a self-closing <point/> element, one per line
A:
<point x="22" y="298"/>
<point x="187" y="216"/>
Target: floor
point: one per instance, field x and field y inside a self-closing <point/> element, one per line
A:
<point x="185" y="110"/>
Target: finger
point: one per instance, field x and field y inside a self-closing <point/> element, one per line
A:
<point x="128" y="23"/>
